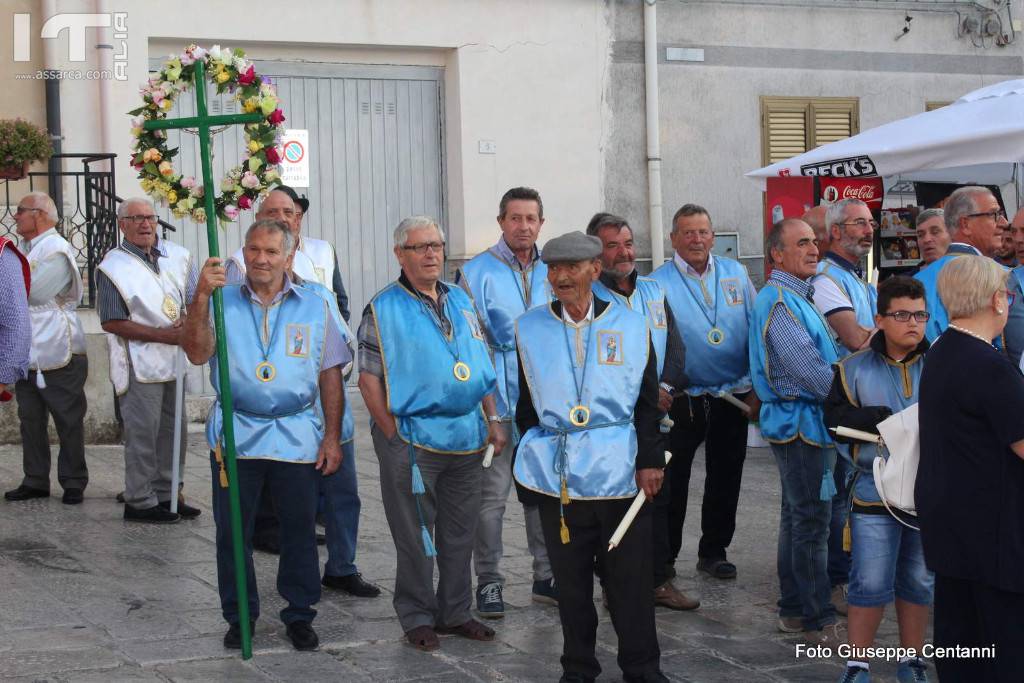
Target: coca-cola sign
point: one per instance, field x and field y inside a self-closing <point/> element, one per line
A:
<point x="853" y="167"/>
<point x="868" y="190"/>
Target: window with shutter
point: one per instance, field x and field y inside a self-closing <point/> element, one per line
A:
<point x="793" y="125"/>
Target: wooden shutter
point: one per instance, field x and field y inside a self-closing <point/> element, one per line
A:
<point x="794" y="125"/>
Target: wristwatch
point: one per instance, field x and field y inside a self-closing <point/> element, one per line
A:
<point x="493" y="418"/>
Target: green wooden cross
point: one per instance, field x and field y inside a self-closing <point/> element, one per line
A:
<point x="203" y="122"/>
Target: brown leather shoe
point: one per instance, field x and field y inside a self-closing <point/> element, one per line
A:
<point x="667" y="595"/>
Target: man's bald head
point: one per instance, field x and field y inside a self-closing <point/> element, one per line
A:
<point x="815" y="217"/>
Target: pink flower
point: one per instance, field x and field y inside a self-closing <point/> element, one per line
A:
<point x="276" y="117"/>
<point x="188" y="182"/>
<point x="231" y="211"/>
<point x="248" y="77"/>
<point x="186" y="58"/>
<point x="158" y="95"/>
<point x="244" y="202"/>
<point x="249" y="181"/>
<point x="273" y="156"/>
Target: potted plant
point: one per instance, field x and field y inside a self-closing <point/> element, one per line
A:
<point x="21" y="143"/>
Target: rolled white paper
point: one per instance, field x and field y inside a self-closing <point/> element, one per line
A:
<point x="488" y="455"/>
<point x="631" y="514"/>
<point x="729" y="398"/>
<point x="851" y="433"/>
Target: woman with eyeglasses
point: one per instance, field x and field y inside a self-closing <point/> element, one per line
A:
<point x="970" y="481"/>
<point x="887" y="562"/>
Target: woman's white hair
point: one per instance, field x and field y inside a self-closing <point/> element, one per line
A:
<point x="415" y="223"/>
<point x="967" y="283"/>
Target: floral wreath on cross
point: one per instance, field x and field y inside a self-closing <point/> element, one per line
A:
<point x="230" y="72"/>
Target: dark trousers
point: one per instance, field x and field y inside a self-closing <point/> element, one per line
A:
<point x="722" y="428"/>
<point x="839" y="559"/>
<point x="975" y="614"/>
<point x="660" y="546"/>
<point x="627" y="580"/>
<point x="64" y="399"/>
<point x="298" y="569"/>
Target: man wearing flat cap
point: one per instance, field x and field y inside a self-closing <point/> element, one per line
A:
<point x="588" y="413"/>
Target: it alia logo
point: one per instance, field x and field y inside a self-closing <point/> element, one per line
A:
<point x="853" y="167"/>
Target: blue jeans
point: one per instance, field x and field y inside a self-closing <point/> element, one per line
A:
<point x="340" y="498"/>
<point x="888" y="562"/>
<point x="839" y="559"/>
<point x="803" y="535"/>
<point x="294" y="487"/>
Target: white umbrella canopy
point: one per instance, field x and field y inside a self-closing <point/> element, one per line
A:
<point x="983" y="127"/>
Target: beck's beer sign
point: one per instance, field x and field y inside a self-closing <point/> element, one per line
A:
<point x="853" y="167"/>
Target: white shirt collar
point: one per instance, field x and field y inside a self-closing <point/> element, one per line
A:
<point x="687" y="269"/>
<point x="568" y="318"/>
<point x="969" y="246"/>
<point x="28" y="244"/>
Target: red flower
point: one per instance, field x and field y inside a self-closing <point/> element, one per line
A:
<point x="244" y="202"/>
<point x="273" y="156"/>
<point x="276" y="117"/>
<point x="248" y="77"/>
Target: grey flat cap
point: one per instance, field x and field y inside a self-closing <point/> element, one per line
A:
<point x="574" y="246"/>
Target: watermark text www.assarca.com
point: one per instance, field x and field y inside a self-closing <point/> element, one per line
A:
<point x="77" y="25"/>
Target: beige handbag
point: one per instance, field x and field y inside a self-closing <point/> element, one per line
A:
<point x="895" y="476"/>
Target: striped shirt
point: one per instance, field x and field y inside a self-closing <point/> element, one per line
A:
<point x="110" y="303"/>
<point x="795" y="361"/>
<point x="15" y="327"/>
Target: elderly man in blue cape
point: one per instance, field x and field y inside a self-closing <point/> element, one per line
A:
<point x="848" y="302"/>
<point x="588" y="412"/>
<point x="428" y="382"/>
<point x="504" y="282"/>
<point x="711" y="298"/>
<point x="791" y="357"/>
<point x="339" y="502"/>
<point x="288" y="414"/>
<point x="975" y="222"/>
<point x="620" y="282"/>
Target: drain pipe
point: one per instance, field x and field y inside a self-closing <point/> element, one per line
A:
<point x="653" y="132"/>
<point x="52" y="90"/>
<point x="105" y="58"/>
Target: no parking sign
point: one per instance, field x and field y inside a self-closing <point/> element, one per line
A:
<point x="295" y="161"/>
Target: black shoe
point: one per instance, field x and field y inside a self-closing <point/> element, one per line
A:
<point x="303" y="636"/>
<point x="233" y="638"/>
<point x="321" y="539"/>
<point x="153" y="515"/>
<point x="655" y="677"/>
<point x="71" y="496"/>
<point x="353" y="584"/>
<point x="574" y="677"/>
<point x="184" y="511"/>
<point x="120" y="498"/>
<point x="26" y="493"/>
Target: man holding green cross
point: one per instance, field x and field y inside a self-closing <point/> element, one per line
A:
<point x="285" y="351"/>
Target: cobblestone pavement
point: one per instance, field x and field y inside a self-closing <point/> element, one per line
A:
<point x="86" y="597"/>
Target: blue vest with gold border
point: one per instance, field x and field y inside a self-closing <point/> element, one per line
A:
<point x="711" y="368"/>
<point x="434" y="410"/>
<point x="785" y="418"/>
<point x="277" y="414"/>
<point x="870" y="379"/>
<point x="609" y="355"/>
<point x="647" y="299"/>
<point x="348" y="421"/>
<point x="501" y="295"/>
<point x="862" y="295"/>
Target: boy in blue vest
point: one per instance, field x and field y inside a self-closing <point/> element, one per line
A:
<point x="886" y="552"/>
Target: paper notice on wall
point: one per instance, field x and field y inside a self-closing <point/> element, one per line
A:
<point x="295" y="161"/>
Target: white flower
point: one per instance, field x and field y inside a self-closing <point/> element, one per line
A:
<point x="240" y="64"/>
<point x="215" y="53"/>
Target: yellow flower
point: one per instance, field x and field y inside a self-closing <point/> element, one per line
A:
<point x="254" y="146"/>
<point x="223" y="76"/>
<point x="172" y="196"/>
<point x="251" y="104"/>
<point x="166" y="104"/>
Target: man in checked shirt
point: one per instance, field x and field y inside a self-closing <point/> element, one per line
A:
<point x="791" y="357"/>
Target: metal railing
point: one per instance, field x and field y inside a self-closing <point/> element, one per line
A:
<point x="88" y="220"/>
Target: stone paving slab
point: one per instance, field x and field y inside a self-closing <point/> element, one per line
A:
<point x="87" y="597"/>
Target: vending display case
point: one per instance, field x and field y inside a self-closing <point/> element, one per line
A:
<point x="898" y="240"/>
